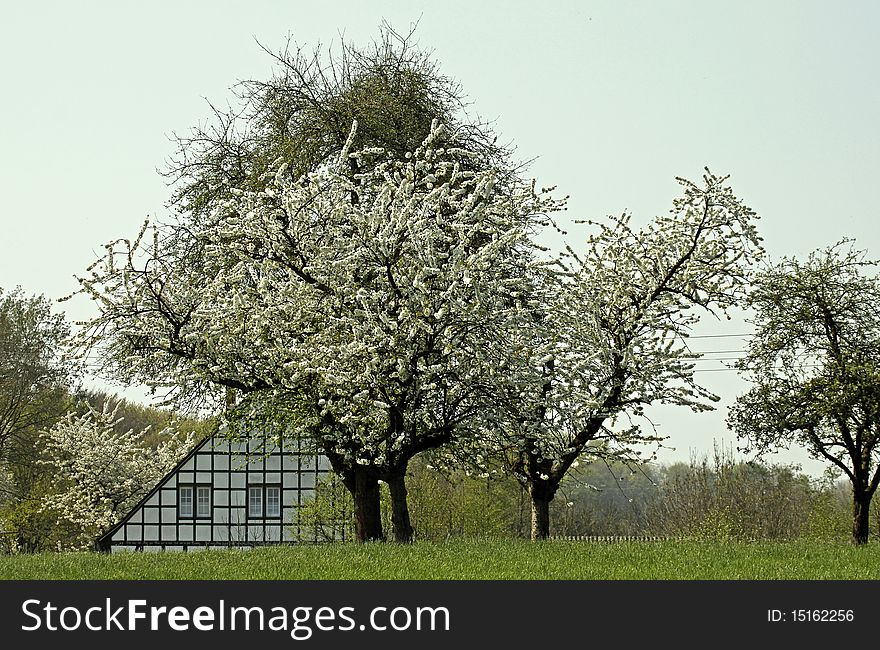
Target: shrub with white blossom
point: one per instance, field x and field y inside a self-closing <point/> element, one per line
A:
<point x="102" y="473"/>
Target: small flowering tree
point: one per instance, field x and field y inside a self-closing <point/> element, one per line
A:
<point x="813" y="364"/>
<point x="100" y="474"/>
<point x="367" y="303"/>
<point x="610" y="337"/>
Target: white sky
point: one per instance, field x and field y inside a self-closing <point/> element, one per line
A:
<point x="614" y="98"/>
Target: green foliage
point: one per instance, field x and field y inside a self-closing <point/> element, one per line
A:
<point x="442" y="506"/>
<point x="32" y="527"/>
<point x="606" y="499"/>
<point x="452" y="505"/>
<point x="33" y="395"/>
<point x="329" y="515"/>
<point x="33" y="375"/>
<point x="727" y="499"/>
<point x="716" y="524"/>
<point x="721" y="499"/>
<point x="139" y="417"/>
<point x="813" y="363"/>
<point x="718" y="499"/>
<point x="830" y="518"/>
<point x="26" y="482"/>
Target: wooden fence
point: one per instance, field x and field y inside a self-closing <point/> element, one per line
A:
<point x="615" y="539"/>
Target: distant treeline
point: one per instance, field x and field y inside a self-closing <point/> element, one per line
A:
<point x="714" y="497"/>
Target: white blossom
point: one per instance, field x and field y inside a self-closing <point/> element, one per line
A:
<point x="374" y="296"/>
<point x="100" y="474"/>
<point x="608" y="332"/>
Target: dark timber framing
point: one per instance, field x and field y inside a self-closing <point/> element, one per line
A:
<point x="228" y="468"/>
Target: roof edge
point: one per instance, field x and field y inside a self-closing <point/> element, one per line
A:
<point x="102" y="543"/>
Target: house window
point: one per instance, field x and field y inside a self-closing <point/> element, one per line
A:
<point x="203" y="501"/>
<point x="273" y="501"/>
<point x="264" y="501"/>
<point x="185" y="508"/>
<point x="255" y="501"/>
<point x="193" y="501"/>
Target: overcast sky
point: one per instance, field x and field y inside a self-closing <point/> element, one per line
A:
<point x="613" y="99"/>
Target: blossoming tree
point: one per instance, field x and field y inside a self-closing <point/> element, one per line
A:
<point x="101" y="473"/>
<point x="368" y="303"/>
<point x="302" y="117"/>
<point x="814" y="369"/>
<point x="610" y="337"/>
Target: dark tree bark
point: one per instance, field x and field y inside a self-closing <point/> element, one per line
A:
<point x="363" y="484"/>
<point x="542" y="476"/>
<point x="861" y="509"/>
<point x="367" y="510"/>
<point x="541" y="494"/>
<point x="400" y="523"/>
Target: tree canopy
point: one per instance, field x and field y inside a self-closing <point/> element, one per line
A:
<point x="368" y="302"/>
<point x="813" y="363"/>
<point x="33" y="374"/>
<point x="610" y="336"/>
<point x="295" y="232"/>
<point x="302" y="117"/>
<point x="351" y="251"/>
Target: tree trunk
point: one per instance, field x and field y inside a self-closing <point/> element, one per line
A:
<point x="400" y="523"/>
<point x="364" y="487"/>
<point x="861" y="507"/>
<point x="541" y="495"/>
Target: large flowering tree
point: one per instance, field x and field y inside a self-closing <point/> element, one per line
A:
<point x="367" y="303"/>
<point x="100" y="473"/>
<point x="609" y="337"/>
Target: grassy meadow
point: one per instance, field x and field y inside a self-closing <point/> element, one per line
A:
<point x="471" y="560"/>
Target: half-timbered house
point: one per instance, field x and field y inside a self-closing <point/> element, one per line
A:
<point x="223" y="494"/>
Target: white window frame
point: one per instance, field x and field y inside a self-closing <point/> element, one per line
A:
<point x="255" y="491"/>
<point x="203" y="506"/>
<point x="273" y="507"/>
<point x="188" y="504"/>
<point x="185" y="505"/>
<point x="259" y="505"/>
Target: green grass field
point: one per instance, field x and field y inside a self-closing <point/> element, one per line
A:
<point x="480" y="560"/>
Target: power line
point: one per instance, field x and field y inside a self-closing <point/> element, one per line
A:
<point x="719" y="336"/>
<point x="717" y="358"/>
<point x="799" y="368"/>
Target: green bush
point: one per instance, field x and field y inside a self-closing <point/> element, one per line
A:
<point x="730" y="499"/>
<point x="441" y="505"/>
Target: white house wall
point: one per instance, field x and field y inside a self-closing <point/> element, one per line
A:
<point x="228" y="469"/>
